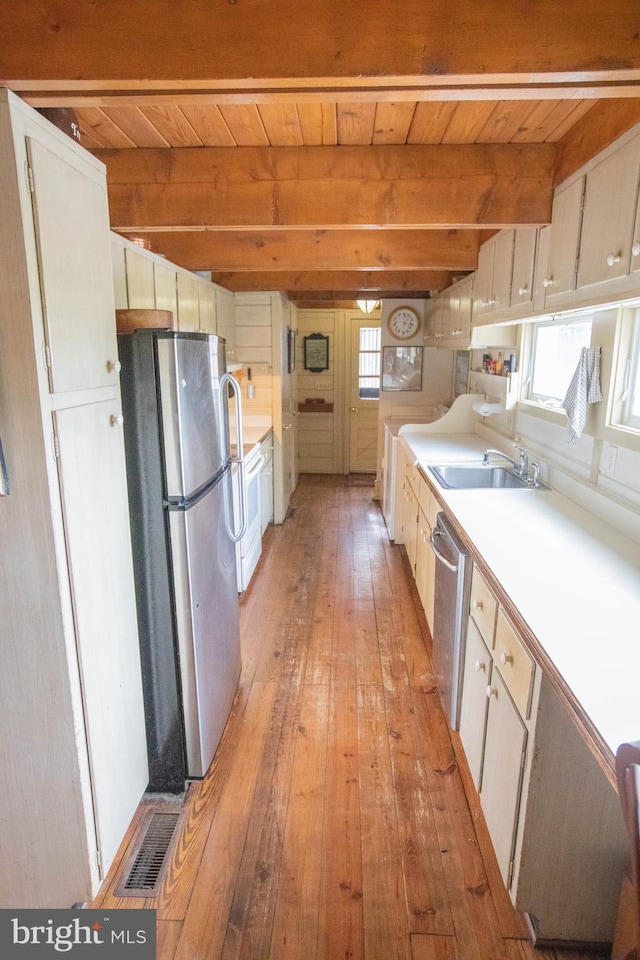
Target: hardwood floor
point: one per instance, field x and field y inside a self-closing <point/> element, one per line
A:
<point x="334" y="822"/>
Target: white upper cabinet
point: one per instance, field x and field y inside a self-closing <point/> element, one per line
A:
<point x="225" y="311"/>
<point x="608" y="216"/>
<point x="524" y="256"/>
<point x="72" y="231"/>
<point x="165" y="284"/>
<point x="564" y="236"/>
<point x="188" y="309"/>
<point x="207" y="308"/>
<point x="492" y="281"/>
<point x="140" y="288"/>
<point x="482" y="282"/>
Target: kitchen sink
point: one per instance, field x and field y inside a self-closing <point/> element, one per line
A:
<point x="478" y="476"/>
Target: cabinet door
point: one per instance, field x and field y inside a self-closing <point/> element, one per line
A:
<point x="140" y="288"/>
<point x="225" y="310"/>
<point x="96" y="521"/>
<point x="473" y="709"/>
<point x="463" y="321"/>
<point x="504" y="754"/>
<point x="564" y="235"/>
<point x="207" y="308"/>
<point x="482" y="291"/>
<point x="188" y="315"/>
<point x="410" y="523"/>
<point x="166" y="288"/>
<point x="74" y="262"/>
<point x="502" y="270"/>
<point x="524" y="254"/>
<point x="425" y="567"/>
<point x="607" y="220"/>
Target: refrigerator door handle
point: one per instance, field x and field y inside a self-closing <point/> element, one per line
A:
<point x="225" y="379"/>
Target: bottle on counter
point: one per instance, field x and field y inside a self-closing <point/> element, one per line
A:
<point x="499" y="364"/>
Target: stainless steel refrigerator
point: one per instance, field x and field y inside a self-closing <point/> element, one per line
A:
<point x="179" y="470"/>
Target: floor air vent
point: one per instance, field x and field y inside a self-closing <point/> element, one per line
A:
<point x="144" y="870"/>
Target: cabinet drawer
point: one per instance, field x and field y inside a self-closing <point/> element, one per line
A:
<point x="514" y="664"/>
<point x="483" y="607"/>
<point x="413" y="477"/>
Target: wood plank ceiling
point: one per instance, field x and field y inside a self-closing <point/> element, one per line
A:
<point x="373" y="158"/>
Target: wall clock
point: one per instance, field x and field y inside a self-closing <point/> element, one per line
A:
<point x="403" y="323"/>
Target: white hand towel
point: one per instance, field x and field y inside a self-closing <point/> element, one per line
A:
<point x="583" y="389"/>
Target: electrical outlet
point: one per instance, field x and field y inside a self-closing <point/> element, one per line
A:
<point x="610" y="458"/>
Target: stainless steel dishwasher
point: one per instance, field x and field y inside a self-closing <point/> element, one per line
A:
<point x="451" y="608"/>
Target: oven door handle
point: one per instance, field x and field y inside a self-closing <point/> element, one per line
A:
<point x="227" y="379"/>
<point x="255" y="468"/>
<point x="438" y="533"/>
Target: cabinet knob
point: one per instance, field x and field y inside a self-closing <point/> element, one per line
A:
<point x="613" y="258"/>
<point x="522" y="291"/>
<point x="114" y="366"/>
<point x="116" y="419"/>
<point x="480" y="665"/>
<point x="547" y="282"/>
<point x="476" y="604"/>
<point x="635" y="249"/>
<point x="506" y="658"/>
<point x="491" y="692"/>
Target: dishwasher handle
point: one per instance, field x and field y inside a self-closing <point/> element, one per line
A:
<point x="436" y="532"/>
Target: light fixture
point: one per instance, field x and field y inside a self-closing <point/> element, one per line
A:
<point x="368" y="306"/>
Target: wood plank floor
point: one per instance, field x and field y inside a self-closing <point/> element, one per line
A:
<point x="338" y="820"/>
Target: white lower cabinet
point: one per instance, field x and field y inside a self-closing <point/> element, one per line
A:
<point x="473" y="710"/>
<point x="425" y="557"/>
<point x="502" y="767"/>
<point x="553" y="817"/>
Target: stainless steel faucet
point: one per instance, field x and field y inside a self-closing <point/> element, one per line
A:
<point x="498" y="453"/>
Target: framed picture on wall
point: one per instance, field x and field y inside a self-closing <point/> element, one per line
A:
<point x="316" y="353"/>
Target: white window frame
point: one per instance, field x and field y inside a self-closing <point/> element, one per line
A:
<point x="631" y="365"/>
<point x="539" y="400"/>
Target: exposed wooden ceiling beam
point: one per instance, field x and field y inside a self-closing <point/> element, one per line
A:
<point x="445" y="186"/>
<point x="309" y="296"/>
<point x="378" y="282"/>
<point x="318" y="45"/>
<point x="305" y="250"/>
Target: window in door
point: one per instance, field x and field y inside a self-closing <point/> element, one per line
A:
<point x="369" y="363"/>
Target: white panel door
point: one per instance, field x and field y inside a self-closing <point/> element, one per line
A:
<point x="74" y="259"/>
<point x="364" y="389"/>
<point x="96" y="520"/>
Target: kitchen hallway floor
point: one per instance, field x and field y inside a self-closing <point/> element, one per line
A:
<point x="334" y="822"/>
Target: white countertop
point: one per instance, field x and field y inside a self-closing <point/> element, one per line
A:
<point x="573" y="579"/>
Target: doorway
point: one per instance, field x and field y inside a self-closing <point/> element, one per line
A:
<point x="363" y="391"/>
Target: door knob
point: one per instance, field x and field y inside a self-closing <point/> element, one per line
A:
<point x="354" y="409"/>
<point x="114" y="366"/>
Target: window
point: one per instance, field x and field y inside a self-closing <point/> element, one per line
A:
<point x="631" y="386"/>
<point x="554" y="358"/>
<point x="369" y="363"/>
